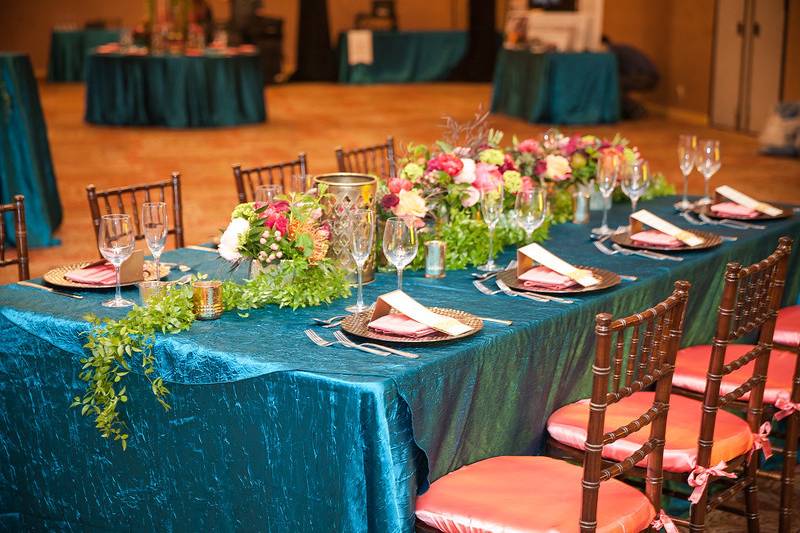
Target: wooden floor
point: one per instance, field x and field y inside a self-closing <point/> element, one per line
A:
<point x="315" y="118"/>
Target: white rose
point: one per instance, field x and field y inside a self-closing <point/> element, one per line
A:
<point x="557" y="167"/>
<point x="467" y="174"/>
<point x="470" y="197"/>
<point x="411" y="204"/>
<point x="229" y="242"/>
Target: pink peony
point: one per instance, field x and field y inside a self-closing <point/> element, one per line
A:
<point x="399" y="184"/>
<point x="508" y="164"/>
<point x="390" y="200"/>
<point x="467" y="173"/>
<point x="487" y="177"/>
<point x="281" y="225"/>
<point x="530" y="146"/>
<point x="447" y="163"/>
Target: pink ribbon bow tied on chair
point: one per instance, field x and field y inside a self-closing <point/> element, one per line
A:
<point x="663" y="521"/>
<point x="699" y="478"/>
<point x="785" y="406"/>
<point x="761" y="441"/>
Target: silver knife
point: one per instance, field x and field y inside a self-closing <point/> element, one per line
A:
<point x="48" y="289"/>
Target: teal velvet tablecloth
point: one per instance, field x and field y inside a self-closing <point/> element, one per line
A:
<point x="269" y="432"/>
<point x="69" y="49"/>
<point x="25" y="164"/>
<point x="557" y="88"/>
<point x="406" y="57"/>
<point x="174" y="90"/>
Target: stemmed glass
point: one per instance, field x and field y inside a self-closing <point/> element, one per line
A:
<point x="708" y="163"/>
<point x="400" y="245"/>
<point x="267" y="193"/>
<point x="530" y="210"/>
<point x="361" y="227"/>
<point x="116" y="242"/>
<point x="608" y="166"/>
<point x="687" y="148"/>
<point x="635" y="180"/>
<point x="299" y="183"/>
<point x="492" y="210"/>
<point x="154" y="224"/>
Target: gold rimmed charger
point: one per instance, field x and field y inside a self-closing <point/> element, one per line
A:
<point x="606" y="277"/>
<point x="705" y="209"/>
<point x="710" y="241"/>
<point x="57" y="276"/>
<point x="357" y="324"/>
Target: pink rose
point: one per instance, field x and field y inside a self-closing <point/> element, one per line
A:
<point x="447" y="163"/>
<point x="508" y="164"/>
<point x="389" y="201"/>
<point x="470" y="197"/>
<point x="467" y="173"/>
<point x="540" y="168"/>
<point x="399" y="184"/>
<point x="487" y="177"/>
<point x="281" y="224"/>
<point x="529" y="146"/>
<point x="281" y="206"/>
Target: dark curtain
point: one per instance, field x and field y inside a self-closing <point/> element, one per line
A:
<point x="478" y="63"/>
<point x="315" y="56"/>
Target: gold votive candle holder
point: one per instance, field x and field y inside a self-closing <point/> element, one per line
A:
<point x="207" y="299"/>
<point x="150" y="289"/>
<point x="435" y="252"/>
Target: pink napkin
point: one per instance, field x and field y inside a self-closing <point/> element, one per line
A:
<point x="656" y="238"/>
<point x="401" y="325"/>
<point x="732" y="209"/>
<point x="193" y="52"/>
<point x="247" y="49"/>
<point x="102" y="274"/>
<point x="544" y="278"/>
<point x="109" y="48"/>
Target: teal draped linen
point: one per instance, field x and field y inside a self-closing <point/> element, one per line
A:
<point x="69" y="49"/>
<point x="25" y="164"/>
<point x="269" y="432"/>
<point x="406" y="57"/>
<point x="557" y="88"/>
<point x="174" y="91"/>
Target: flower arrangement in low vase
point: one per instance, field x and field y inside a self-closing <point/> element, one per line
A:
<point x="286" y="244"/>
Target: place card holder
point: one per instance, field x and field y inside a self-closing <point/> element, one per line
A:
<point x="659" y="224"/>
<point x="525" y="262"/>
<point x="405" y="304"/>
<point x="725" y="193"/>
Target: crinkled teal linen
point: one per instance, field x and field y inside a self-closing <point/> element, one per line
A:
<point x="68" y="51"/>
<point x="269" y="432"/>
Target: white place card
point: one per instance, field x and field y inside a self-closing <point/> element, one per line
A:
<point x="742" y="199"/>
<point x="643" y="216"/>
<point x="402" y="302"/>
<point x="534" y="252"/>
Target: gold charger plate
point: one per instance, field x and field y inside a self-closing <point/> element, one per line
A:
<point x="357" y="325"/>
<point x="606" y="277"/>
<point x="56" y="277"/>
<point x="706" y="210"/>
<point x="711" y="240"/>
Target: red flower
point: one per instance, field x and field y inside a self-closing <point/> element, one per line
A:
<point x="540" y="168"/>
<point x="282" y="225"/>
<point x="508" y="164"/>
<point x="389" y="201"/>
<point x="447" y="163"/>
<point x="281" y="206"/>
<point x="530" y="146"/>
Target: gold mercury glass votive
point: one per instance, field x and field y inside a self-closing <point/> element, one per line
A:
<point x="149" y="289"/>
<point x="207" y="299"/>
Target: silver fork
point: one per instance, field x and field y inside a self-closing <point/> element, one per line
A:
<point x="319" y="341"/>
<point x="505" y="289"/>
<point x="484" y="289"/>
<point x="603" y="248"/>
<point x="735" y="224"/>
<point x="489" y="275"/>
<point x="331" y="320"/>
<point x="645" y="253"/>
<point x="344" y="339"/>
<point x="691" y="220"/>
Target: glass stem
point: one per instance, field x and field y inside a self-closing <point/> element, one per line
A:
<point x="685" y="189"/>
<point x="529" y="235"/>
<point x="400" y="278"/>
<point x="491" y="246"/>
<point x="158" y="267"/>
<point x="634" y="201"/>
<point x="360" y="292"/>
<point x="118" y="295"/>
<point x="605" y="214"/>
<point x="706" y="185"/>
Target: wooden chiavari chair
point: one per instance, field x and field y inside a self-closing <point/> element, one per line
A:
<point x="753" y="309"/>
<point x="541" y="493"/>
<point x="723" y="449"/>
<point x="248" y="179"/>
<point x="128" y="199"/>
<point x="21" y="233"/>
<point x="377" y="160"/>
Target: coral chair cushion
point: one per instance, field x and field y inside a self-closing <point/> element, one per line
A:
<point x="787" y="327"/>
<point x="527" y="495"/>
<point x="732" y="435"/>
<point x="691" y="367"/>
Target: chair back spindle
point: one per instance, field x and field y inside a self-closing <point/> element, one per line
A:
<point x="378" y="160"/>
<point x="248" y="179"/>
<point x="22" y="258"/>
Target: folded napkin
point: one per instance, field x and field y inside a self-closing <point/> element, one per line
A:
<point x="102" y="274"/>
<point x="541" y="277"/>
<point x="732" y="209"/>
<point x="656" y="238"/>
<point x="247" y="49"/>
<point x="401" y="325"/>
<point x="193" y="52"/>
<point x="107" y="48"/>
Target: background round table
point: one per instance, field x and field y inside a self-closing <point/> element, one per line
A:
<point x="176" y="91"/>
<point x="68" y="51"/>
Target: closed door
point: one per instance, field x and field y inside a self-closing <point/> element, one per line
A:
<point x="765" y="66"/>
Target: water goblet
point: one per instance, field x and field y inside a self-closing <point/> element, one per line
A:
<point x="400" y="245"/>
<point x="116" y="240"/>
<point x="635" y="180"/>
<point x="687" y="148"/>
<point x="491" y="209"/>
<point x="708" y="162"/>
<point x="267" y="193"/>
<point x="154" y="225"/>
<point x="361" y="228"/>
<point x="530" y="210"/>
<point x="608" y="167"/>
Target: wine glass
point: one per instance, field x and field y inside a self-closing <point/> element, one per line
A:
<point x="267" y="193"/>
<point x="635" y="180"/>
<point x="687" y="148"/>
<point x="608" y="167"/>
<point x="361" y="227"/>
<point x="530" y="209"/>
<point x="492" y="210"/>
<point x="116" y="242"/>
<point x="299" y="183"/>
<point x="154" y="225"/>
<point x="708" y="162"/>
<point x="400" y="245"/>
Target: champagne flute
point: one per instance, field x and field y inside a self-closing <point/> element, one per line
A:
<point x="708" y="163"/>
<point x="608" y="166"/>
<point x="267" y="193"/>
<point x="361" y="227"/>
<point x="492" y="210"/>
<point x="530" y="210"/>
<point x="116" y="242"/>
<point x="687" y="148"/>
<point x="154" y="224"/>
<point x="635" y="180"/>
<point x="400" y="245"/>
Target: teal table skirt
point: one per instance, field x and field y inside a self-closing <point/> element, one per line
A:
<point x="25" y="164"/>
<point x="175" y="91"/>
<point x="269" y="432"/>
<point x="557" y="88"/>
<point x="69" y="50"/>
<point x="406" y="57"/>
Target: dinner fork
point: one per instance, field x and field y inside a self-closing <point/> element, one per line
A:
<point x="489" y="275"/>
<point x="331" y="320"/>
<point x="505" y="289"/>
<point x="344" y="339"/>
<point x="735" y="224"/>
<point x="319" y="341"/>
<point x="484" y="289"/>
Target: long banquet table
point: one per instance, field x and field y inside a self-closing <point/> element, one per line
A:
<point x="269" y="432"/>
